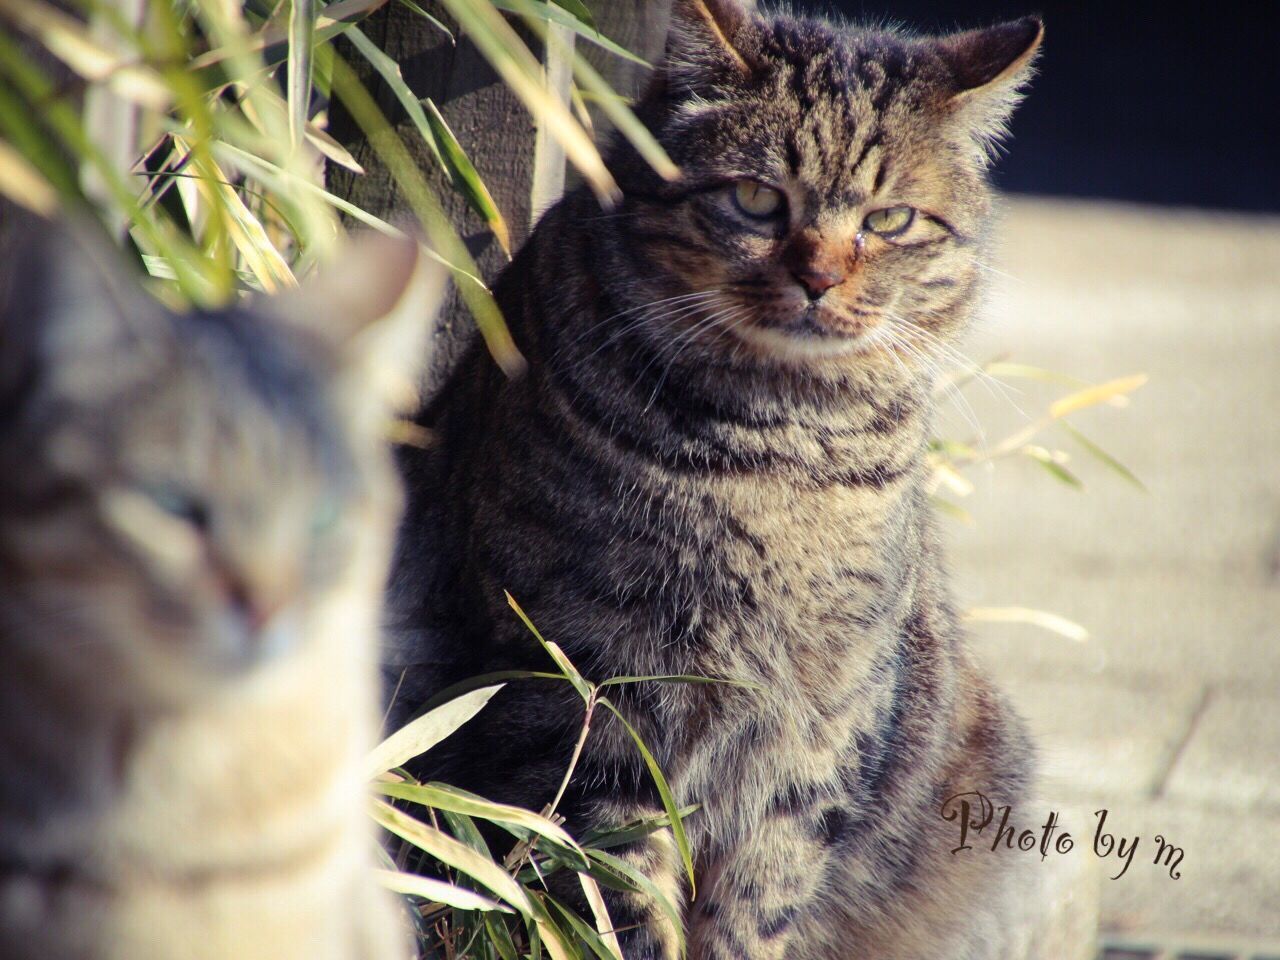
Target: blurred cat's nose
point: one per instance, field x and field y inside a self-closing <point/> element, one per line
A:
<point x="816" y="283"/>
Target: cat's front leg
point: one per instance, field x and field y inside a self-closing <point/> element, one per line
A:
<point x="751" y="894"/>
<point x="646" y="929"/>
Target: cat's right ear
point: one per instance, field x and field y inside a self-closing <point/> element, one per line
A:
<point x="705" y="43"/>
<point x="373" y="306"/>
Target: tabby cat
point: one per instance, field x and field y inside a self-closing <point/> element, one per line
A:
<point x="195" y="521"/>
<point x="716" y="465"/>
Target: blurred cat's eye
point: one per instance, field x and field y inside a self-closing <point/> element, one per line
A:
<point x="180" y="504"/>
<point x="324" y="520"/>
<point x="758" y="201"/>
<point x="891" y="221"/>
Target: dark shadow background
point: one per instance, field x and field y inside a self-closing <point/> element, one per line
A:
<point x="1134" y="101"/>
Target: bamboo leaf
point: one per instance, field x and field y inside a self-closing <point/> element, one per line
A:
<point x="23" y="184"/>
<point x="1046" y="459"/>
<point x="598" y="839"/>
<point x="570" y="671"/>
<point x="466" y="178"/>
<point x="1112" y="390"/>
<point x="420" y="735"/>
<point x="413" y="885"/>
<point x="434" y="21"/>
<point x="584" y="932"/>
<point x="70" y="41"/>
<point x="484" y="680"/>
<point x="302" y="19"/>
<point x="389" y="147"/>
<point x="1038" y="618"/>
<point x="443" y="797"/>
<point x="953" y="510"/>
<point x="455" y="854"/>
<point x="639" y="880"/>
<point x="578" y="9"/>
<point x="604" y="925"/>
<point x="1102" y="456"/>
<point x="615" y="109"/>
<point x="500" y="938"/>
<point x="331" y="148"/>
<point x="512" y="61"/>
<point x="554" y="14"/>
<point x="664" y="791"/>
<point x="1023" y="371"/>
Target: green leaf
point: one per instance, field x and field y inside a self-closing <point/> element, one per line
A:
<point x="614" y="108"/>
<point x="953" y="510"/>
<point x="554" y="14"/>
<point x="664" y="791"/>
<point x="1102" y="456"/>
<point x="302" y="19"/>
<point x="389" y="70"/>
<point x="603" y="839"/>
<point x="418" y="736"/>
<point x="623" y="873"/>
<point x="585" y="932"/>
<point x="500" y="937"/>
<point x="1055" y="469"/>
<point x="465" y="177"/>
<point x="413" y="885"/>
<point x="485" y="680"/>
<point x="443" y="797"/>
<point x="465" y="829"/>
<point x="455" y="854"/>
<point x="510" y="58"/>
<point x="578" y="9"/>
<point x="570" y="671"/>
<point x="678" y="678"/>
<point x="434" y="21"/>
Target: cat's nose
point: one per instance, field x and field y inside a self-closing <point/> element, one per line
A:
<point x="816" y="282"/>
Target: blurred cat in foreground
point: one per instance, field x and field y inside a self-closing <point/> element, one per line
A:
<point x="195" y="513"/>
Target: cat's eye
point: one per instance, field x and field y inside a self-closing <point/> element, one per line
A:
<point x="324" y="520"/>
<point x="180" y="504"/>
<point x="758" y="201"/>
<point x="890" y="222"/>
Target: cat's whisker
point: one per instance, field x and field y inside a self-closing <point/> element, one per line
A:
<point x="677" y="307"/>
<point x="903" y="333"/>
<point x="683" y="341"/>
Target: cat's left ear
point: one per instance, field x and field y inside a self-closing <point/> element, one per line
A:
<point x="704" y="42"/>
<point x="987" y="70"/>
<point x="374" y="308"/>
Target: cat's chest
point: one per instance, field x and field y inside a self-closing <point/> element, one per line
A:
<point x="770" y="567"/>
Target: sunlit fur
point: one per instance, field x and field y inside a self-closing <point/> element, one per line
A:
<point x="194" y="517"/>
<point x="703" y="474"/>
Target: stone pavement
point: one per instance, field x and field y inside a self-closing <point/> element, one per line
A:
<point x="1168" y="715"/>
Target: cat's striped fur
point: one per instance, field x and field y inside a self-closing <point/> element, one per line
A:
<point x="707" y="471"/>
<point x="195" y="520"/>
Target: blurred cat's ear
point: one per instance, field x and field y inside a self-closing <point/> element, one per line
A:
<point x="66" y="300"/>
<point x="704" y="41"/>
<point x="988" y="69"/>
<point x="374" y="306"/>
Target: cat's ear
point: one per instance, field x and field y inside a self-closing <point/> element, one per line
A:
<point x="705" y="42"/>
<point x="373" y="307"/>
<point x="987" y="70"/>
<point x="67" y="299"/>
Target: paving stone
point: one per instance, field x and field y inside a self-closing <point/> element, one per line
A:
<point x="1232" y="759"/>
<point x="1177" y="585"/>
<point x="1152" y="626"/>
<point x="1230" y="875"/>
<point x="1102" y="736"/>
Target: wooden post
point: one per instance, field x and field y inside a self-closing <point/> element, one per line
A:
<point x="489" y="121"/>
